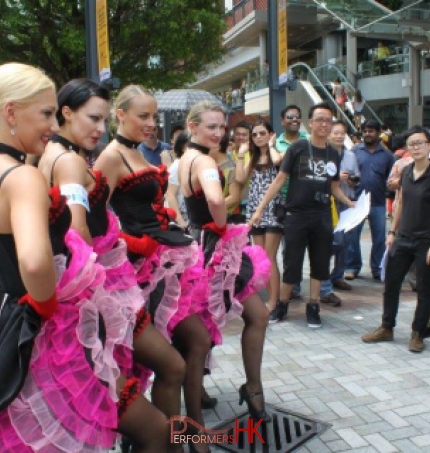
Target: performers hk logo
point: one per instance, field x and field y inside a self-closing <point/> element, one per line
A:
<point x="211" y="436"/>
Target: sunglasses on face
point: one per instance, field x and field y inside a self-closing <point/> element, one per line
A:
<point x="293" y="117"/>
<point x="260" y="133"/>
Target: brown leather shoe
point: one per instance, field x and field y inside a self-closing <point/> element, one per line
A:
<point x="341" y="284"/>
<point x="332" y="299"/>
<point x="207" y="402"/>
<point x="416" y="343"/>
<point x="380" y="334"/>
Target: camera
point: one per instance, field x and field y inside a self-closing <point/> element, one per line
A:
<point x="353" y="178"/>
<point x="321" y="197"/>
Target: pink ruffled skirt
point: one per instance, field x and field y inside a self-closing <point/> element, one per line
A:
<point x="127" y="297"/>
<point x="67" y="405"/>
<point x="220" y="274"/>
<point x="177" y="267"/>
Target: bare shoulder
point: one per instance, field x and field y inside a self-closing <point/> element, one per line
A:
<point x="109" y="155"/>
<point x="25" y="181"/>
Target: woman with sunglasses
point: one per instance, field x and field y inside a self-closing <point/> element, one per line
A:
<point x="233" y="272"/>
<point x="261" y="171"/>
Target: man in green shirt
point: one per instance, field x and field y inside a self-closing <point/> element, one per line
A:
<point x="291" y="119"/>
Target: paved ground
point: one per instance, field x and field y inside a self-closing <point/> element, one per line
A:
<point x="375" y="396"/>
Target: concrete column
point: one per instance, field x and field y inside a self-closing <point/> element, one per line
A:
<point x="332" y="45"/>
<point x="415" y="110"/>
<point x="321" y="59"/>
<point x="351" y="57"/>
<point x="262" y="44"/>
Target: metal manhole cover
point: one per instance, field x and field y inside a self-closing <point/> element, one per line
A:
<point x="285" y="433"/>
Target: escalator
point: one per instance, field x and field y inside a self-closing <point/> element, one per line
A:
<point x="311" y="90"/>
<point x="328" y="73"/>
<point x="315" y="85"/>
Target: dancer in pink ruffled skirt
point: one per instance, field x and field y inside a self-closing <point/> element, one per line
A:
<point x="73" y="398"/>
<point x="165" y="259"/>
<point x="233" y="271"/>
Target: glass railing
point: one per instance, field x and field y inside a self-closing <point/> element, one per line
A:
<point x="257" y="79"/>
<point x="328" y="73"/>
<point x="390" y="65"/>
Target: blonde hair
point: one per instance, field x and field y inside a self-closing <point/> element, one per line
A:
<point x="21" y="83"/>
<point x="127" y="94"/>
<point x="196" y="111"/>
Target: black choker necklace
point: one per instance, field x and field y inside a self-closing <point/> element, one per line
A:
<point x="66" y="143"/>
<point x="126" y="142"/>
<point x="12" y="152"/>
<point x="203" y="149"/>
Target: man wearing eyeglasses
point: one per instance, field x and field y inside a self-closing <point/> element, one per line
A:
<point x="409" y="242"/>
<point x="313" y="168"/>
<point x="374" y="163"/>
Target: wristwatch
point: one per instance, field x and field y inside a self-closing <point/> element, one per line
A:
<point x="392" y="232"/>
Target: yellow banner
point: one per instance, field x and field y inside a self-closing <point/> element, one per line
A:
<point x="282" y="42"/>
<point x="102" y="40"/>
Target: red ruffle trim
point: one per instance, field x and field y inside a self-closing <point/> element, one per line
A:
<point x="58" y="204"/>
<point x="97" y="193"/>
<point x="143" y="318"/>
<point x="129" y="395"/>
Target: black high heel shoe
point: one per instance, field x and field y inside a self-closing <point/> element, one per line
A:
<point x="253" y="412"/>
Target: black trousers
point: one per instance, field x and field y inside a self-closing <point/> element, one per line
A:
<point x="403" y="253"/>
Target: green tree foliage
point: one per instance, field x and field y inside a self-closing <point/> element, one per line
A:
<point x="158" y="43"/>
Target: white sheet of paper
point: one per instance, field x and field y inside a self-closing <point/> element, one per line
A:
<point x="352" y="217"/>
<point x="383" y="265"/>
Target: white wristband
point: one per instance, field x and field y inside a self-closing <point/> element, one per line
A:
<point x="75" y="194"/>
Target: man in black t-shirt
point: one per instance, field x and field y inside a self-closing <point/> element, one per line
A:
<point x="313" y="168"/>
<point x="409" y="242"/>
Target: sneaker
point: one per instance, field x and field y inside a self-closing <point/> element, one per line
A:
<point x="350" y="276"/>
<point x="313" y="315"/>
<point x="341" y="284"/>
<point x="279" y="312"/>
<point x="416" y="343"/>
<point x="380" y="334"/>
<point x="332" y="299"/>
<point x="273" y="315"/>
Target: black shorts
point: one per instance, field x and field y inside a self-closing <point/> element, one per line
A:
<point x="260" y="231"/>
<point x="312" y="231"/>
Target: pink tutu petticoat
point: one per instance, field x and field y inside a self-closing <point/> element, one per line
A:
<point x="68" y="402"/>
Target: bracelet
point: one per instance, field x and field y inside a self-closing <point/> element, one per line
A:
<point x="241" y="157"/>
<point x="392" y="232"/>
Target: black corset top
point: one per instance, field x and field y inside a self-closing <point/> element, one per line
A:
<point x="60" y="218"/>
<point x="138" y="200"/>
<point x="97" y="219"/>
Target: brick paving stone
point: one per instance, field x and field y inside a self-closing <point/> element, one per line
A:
<point x="351" y="437"/>
<point x="401" y="433"/>
<point x="421" y="441"/>
<point x="381" y="444"/>
<point x="340" y="409"/>
<point x="393" y="419"/>
<point x="337" y="445"/>
<point x="406" y="446"/>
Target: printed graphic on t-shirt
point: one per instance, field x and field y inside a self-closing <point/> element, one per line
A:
<point x="316" y="169"/>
